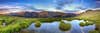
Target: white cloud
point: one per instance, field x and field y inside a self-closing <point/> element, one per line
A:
<point x="12" y="8"/>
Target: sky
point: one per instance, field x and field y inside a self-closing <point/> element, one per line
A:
<point x="97" y="3"/>
<point x="51" y="4"/>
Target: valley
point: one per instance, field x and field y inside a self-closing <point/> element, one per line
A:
<point x="16" y="23"/>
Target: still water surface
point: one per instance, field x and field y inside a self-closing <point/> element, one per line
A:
<point x="54" y="27"/>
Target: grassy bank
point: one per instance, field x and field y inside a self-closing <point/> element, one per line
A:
<point x="92" y="16"/>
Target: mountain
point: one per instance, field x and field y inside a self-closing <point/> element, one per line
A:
<point x="43" y="14"/>
<point x="35" y="13"/>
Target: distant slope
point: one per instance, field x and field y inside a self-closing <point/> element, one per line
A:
<point x="43" y="14"/>
<point x="91" y="15"/>
<point x="35" y="13"/>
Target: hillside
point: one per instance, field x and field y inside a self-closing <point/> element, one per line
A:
<point x="36" y="14"/>
<point x="93" y="15"/>
<point x="90" y="14"/>
<point x="43" y="14"/>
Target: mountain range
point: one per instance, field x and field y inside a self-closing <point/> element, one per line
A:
<point x="40" y="14"/>
<point x="31" y="14"/>
<point x="43" y="14"/>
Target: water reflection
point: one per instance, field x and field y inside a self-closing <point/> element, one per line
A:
<point x="54" y="27"/>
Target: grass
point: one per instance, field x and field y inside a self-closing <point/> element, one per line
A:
<point x="15" y="24"/>
<point x="64" y="26"/>
<point x="15" y="27"/>
<point x="86" y="23"/>
<point x="93" y="16"/>
<point x="37" y="23"/>
<point x="82" y="24"/>
<point x="94" y="31"/>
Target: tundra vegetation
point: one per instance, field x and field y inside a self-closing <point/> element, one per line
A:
<point x="64" y="26"/>
<point x="91" y="15"/>
<point x="11" y="24"/>
<point x="94" y="31"/>
<point x="86" y="23"/>
<point x="37" y="23"/>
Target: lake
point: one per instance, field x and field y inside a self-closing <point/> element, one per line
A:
<point x="54" y="27"/>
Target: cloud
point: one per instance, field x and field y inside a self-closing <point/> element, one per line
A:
<point x="98" y="4"/>
<point x="17" y="7"/>
<point x="97" y="1"/>
<point x="62" y="3"/>
<point x="10" y="7"/>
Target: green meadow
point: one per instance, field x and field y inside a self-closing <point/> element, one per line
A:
<point x="15" y="24"/>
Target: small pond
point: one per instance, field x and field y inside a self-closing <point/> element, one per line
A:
<point x="54" y="27"/>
